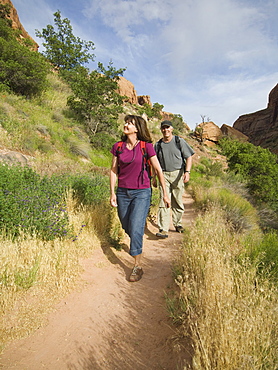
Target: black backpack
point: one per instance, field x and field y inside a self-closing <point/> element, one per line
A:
<point x="159" y="152"/>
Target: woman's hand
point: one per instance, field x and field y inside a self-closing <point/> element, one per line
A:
<point x="113" y="200"/>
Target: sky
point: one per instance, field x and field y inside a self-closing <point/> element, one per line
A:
<point x="203" y="59"/>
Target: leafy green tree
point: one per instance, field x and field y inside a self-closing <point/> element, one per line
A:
<point x="151" y="111"/>
<point x="95" y="101"/>
<point x="145" y="109"/>
<point x="178" y="122"/>
<point x="22" y="70"/>
<point x="5" y="10"/>
<point x="64" y="50"/>
<point x="157" y="109"/>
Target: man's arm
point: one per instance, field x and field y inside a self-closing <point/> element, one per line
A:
<point x="188" y="166"/>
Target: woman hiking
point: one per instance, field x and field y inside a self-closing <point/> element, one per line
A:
<point x="133" y="195"/>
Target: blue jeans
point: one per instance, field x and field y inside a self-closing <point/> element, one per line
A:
<point x="133" y="208"/>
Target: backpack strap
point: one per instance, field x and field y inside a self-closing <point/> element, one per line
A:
<point x="159" y="153"/>
<point x="119" y="148"/>
<point x="178" y="144"/>
<point x="146" y="164"/>
<point x="119" y="151"/>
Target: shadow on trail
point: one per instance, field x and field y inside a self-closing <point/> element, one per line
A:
<point x="109" y="252"/>
<point x="150" y="235"/>
<point x="140" y="338"/>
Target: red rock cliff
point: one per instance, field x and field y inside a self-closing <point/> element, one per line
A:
<point x="16" y="24"/>
<point x="262" y="127"/>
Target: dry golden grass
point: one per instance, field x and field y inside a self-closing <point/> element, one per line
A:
<point x="229" y="314"/>
<point x="36" y="274"/>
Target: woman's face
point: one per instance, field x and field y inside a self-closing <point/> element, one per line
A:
<point x="129" y="128"/>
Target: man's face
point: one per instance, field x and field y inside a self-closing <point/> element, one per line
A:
<point x="167" y="131"/>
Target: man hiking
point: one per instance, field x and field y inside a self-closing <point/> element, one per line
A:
<point x="175" y="158"/>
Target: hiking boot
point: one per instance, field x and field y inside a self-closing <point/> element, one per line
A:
<point x="162" y="234"/>
<point x="136" y="274"/>
<point x="179" y="229"/>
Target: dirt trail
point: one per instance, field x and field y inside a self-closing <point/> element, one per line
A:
<point x="110" y="323"/>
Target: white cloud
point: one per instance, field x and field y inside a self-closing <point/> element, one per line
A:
<point x="213" y="37"/>
<point x="127" y="18"/>
<point x="222" y="100"/>
<point x="189" y="38"/>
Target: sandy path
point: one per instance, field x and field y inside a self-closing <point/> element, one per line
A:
<point x="110" y="323"/>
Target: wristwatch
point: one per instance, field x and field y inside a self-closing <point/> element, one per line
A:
<point x="187" y="171"/>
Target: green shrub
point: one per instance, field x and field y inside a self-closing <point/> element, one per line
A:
<point x="36" y="205"/>
<point x="90" y="189"/>
<point x="102" y="140"/>
<point x="258" y="166"/>
<point x="31" y="204"/>
<point x="209" y="168"/>
<point x="266" y="253"/>
<point x="22" y="70"/>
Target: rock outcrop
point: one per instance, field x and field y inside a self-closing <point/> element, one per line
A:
<point x="144" y="99"/>
<point x="166" y="116"/>
<point x="16" y="24"/>
<point x="262" y="127"/>
<point x="12" y="157"/>
<point x="233" y="133"/>
<point x="126" y="88"/>
<point x="208" y="133"/>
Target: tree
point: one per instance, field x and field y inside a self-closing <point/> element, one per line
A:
<point x="178" y="122"/>
<point x="95" y="101"/>
<point x="22" y="70"/>
<point x="64" y="50"/>
<point x="157" y="109"/>
<point x="5" y="10"/>
<point x="151" y="111"/>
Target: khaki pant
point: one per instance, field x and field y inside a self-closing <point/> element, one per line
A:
<point x="174" y="188"/>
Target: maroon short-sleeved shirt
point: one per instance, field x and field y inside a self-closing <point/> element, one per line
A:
<point x="130" y="166"/>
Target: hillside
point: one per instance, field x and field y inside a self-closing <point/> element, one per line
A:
<point x="40" y="130"/>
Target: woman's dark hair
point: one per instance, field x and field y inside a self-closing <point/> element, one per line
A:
<point x="143" y="133"/>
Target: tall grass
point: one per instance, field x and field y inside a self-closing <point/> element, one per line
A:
<point x="239" y="212"/>
<point x="227" y="311"/>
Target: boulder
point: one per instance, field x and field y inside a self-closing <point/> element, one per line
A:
<point x="144" y="99"/>
<point x="208" y="131"/>
<point x="12" y="157"/>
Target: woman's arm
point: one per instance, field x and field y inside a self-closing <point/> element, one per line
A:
<point x="158" y="172"/>
<point x="113" y="181"/>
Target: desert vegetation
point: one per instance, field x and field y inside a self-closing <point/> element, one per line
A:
<point x="226" y="304"/>
<point x="54" y="211"/>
